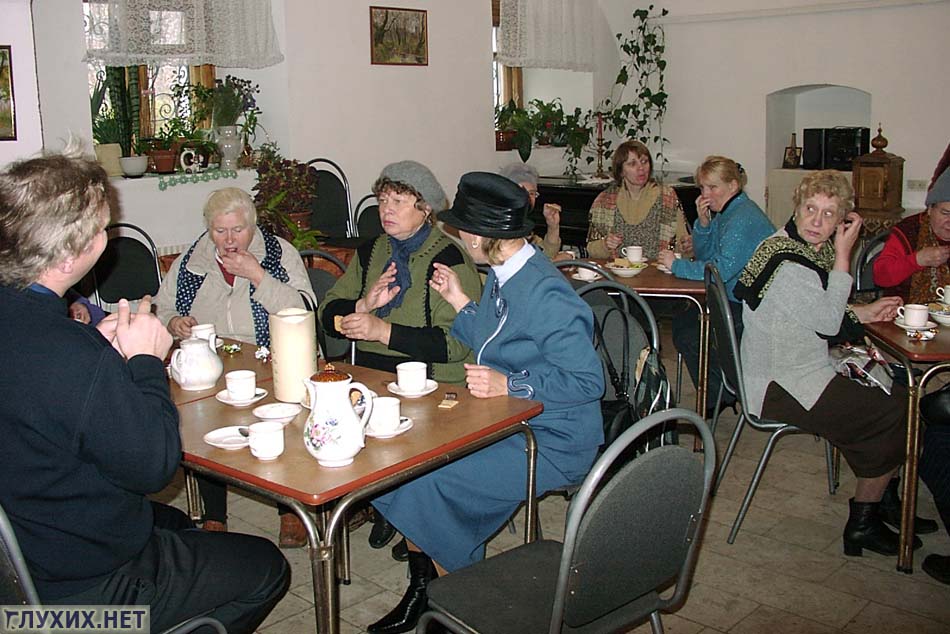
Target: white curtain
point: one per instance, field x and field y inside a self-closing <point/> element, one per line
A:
<point x="547" y="34"/>
<point x="230" y="33"/>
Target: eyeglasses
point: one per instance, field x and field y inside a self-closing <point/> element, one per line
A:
<point x="533" y="194"/>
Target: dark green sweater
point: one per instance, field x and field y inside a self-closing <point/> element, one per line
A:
<point x="420" y="326"/>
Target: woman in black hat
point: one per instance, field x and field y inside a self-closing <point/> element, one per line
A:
<point x="532" y="336"/>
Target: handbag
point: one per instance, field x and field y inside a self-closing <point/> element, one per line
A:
<point x="935" y="407"/>
<point x="862" y="364"/>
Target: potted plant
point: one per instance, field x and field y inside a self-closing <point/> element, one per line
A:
<point x="575" y="132"/>
<point x="136" y="165"/>
<point x="547" y="117"/>
<point x="163" y="151"/>
<point x="518" y="127"/>
<point x="284" y="196"/>
<point x="107" y="133"/>
<point x="227" y="102"/>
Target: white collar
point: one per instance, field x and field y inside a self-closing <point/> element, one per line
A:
<point x="507" y="270"/>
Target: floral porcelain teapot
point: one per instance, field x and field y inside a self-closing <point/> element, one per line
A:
<point x="334" y="433"/>
<point x="195" y="366"/>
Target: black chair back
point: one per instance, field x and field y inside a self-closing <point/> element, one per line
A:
<point x="332" y="208"/>
<point x="723" y="334"/>
<point x="864" y="265"/>
<point x="128" y="268"/>
<point x="16" y="585"/>
<point x="634" y="530"/>
<point x="368" y="224"/>
<point x="322" y="281"/>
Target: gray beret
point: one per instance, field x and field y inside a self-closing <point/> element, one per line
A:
<point x="940" y="192"/>
<point x="421" y="179"/>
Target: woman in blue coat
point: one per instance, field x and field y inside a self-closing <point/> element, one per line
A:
<point x="533" y="338"/>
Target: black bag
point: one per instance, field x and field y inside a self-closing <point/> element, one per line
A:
<point x="935" y="407"/>
<point x="617" y="333"/>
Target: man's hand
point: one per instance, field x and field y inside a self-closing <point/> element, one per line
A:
<point x="933" y="256"/>
<point x="483" y="382"/>
<point x="379" y="293"/>
<point x="243" y="264"/>
<point x="884" y="309"/>
<point x="140" y="332"/>
<point x="181" y="326"/>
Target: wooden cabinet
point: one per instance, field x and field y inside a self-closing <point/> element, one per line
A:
<point x="576" y="198"/>
<point x="878" y="180"/>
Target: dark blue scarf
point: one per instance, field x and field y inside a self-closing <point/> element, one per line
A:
<point x="402" y="249"/>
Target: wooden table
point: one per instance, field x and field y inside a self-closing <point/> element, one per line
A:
<point x="652" y="282"/>
<point x="297" y="480"/>
<point x="936" y="353"/>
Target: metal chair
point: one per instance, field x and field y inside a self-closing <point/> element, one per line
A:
<point x="332" y="205"/>
<point x="322" y="281"/>
<point x="368" y="224"/>
<point x="723" y="336"/>
<point x="863" y="269"/>
<point x="631" y="532"/>
<point x="16" y="583"/>
<point x="128" y="267"/>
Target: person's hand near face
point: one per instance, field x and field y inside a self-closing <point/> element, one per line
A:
<point x="243" y="264"/>
<point x="380" y="293"/>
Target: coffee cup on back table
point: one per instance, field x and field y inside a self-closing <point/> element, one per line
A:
<point x="411" y="376"/>
<point x="586" y="274"/>
<point x="385" y="416"/>
<point x="206" y="332"/>
<point x="944" y="294"/>
<point x="242" y="384"/>
<point x="633" y="253"/>
<point x="914" y="315"/>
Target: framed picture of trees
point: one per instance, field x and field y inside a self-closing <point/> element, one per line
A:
<point x="7" y="114"/>
<point x="398" y="36"/>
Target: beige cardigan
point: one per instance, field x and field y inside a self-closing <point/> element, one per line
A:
<point x="229" y="308"/>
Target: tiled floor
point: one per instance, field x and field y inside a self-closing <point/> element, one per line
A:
<point x="785" y="573"/>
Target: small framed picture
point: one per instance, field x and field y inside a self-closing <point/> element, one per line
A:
<point x="7" y="109"/>
<point x="793" y="157"/>
<point x="398" y="36"/>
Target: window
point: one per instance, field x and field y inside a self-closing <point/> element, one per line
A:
<point x="506" y="80"/>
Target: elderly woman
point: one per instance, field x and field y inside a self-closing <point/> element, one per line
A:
<point x="448" y="514"/>
<point x="527" y="177"/>
<point x="728" y="241"/>
<point x="914" y="263"/>
<point x="635" y="209"/>
<point x="384" y="301"/>
<point x="795" y="290"/>
<point x="233" y="276"/>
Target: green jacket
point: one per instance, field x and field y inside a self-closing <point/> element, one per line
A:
<point x="420" y="326"/>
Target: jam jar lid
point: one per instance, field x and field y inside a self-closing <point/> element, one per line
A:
<point x="329" y="374"/>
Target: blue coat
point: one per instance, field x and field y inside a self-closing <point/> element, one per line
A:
<point x="545" y="346"/>
<point x="728" y="242"/>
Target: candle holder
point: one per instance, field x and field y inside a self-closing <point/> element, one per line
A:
<point x="600" y="147"/>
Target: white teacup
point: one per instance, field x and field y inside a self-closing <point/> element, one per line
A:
<point x="385" y="416"/>
<point x="633" y="253"/>
<point x="242" y="384"/>
<point x="266" y="440"/>
<point x="944" y="294"/>
<point x="914" y="315"/>
<point x="206" y="332"/>
<point x="586" y="274"/>
<point x="411" y="376"/>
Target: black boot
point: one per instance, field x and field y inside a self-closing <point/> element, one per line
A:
<point x="891" y="510"/>
<point x="865" y="529"/>
<point x="405" y="615"/>
<point x="382" y="533"/>
<point x="400" y="551"/>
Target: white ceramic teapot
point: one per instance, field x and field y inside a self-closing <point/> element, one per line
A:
<point x="195" y="366"/>
<point x="334" y="433"/>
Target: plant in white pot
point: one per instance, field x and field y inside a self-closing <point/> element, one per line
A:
<point x="136" y="165"/>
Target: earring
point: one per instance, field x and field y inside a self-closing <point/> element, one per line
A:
<point x="474" y="244"/>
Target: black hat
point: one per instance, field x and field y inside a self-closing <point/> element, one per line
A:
<point x="490" y="206"/>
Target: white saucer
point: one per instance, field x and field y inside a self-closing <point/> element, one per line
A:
<point x="664" y="269"/>
<point x="258" y="395"/>
<point x="226" y="438"/>
<point x="578" y="277"/>
<point x="431" y="386"/>
<point x="930" y="325"/>
<point x="277" y="412"/>
<point x="405" y="424"/>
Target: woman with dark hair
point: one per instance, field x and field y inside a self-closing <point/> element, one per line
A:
<point x="635" y="209"/>
<point x="521" y="351"/>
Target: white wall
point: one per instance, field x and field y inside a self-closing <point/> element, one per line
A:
<point x="16" y="29"/>
<point x="575" y="89"/>
<point x="365" y="116"/>
<point x="722" y="67"/>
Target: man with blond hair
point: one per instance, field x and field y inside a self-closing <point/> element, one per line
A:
<point x="89" y="429"/>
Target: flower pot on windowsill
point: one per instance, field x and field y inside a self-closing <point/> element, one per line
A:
<point x="504" y="140"/>
<point x="163" y="161"/>
<point x="134" y="166"/>
<point x="108" y="155"/>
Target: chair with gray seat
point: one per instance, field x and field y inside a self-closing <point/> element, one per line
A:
<point x="723" y="337"/>
<point x="322" y="281"/>
<point x="332" y="205"/>
<point x="16" y="583"/>
<point x="632" y="533"/>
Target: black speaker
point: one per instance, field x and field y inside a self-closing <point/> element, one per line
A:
<point x="813" y="149"/>
<point x="843" y="145"/>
